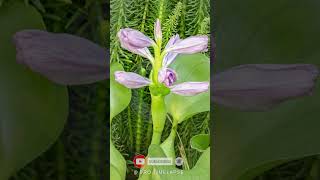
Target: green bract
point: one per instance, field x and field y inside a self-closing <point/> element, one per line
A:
<point x="159" y="90"/>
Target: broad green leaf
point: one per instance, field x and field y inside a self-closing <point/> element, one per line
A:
<point x="194" y="67"/>
<point x="200" y="142"/>
<point x="168" y="145"/>
<point x="118" y="164"/>
<point x="200" y="171"/>
<point x="248" y="143"/>
<point x="33" y="110"/>
<point x="120" y="96"/>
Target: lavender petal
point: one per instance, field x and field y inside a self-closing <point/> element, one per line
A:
<point x="62" y="58"/>
<point x="144" y="52"/>
<point x="168" y="59"/>
<point x="190" y="45"/>
<point x="173" y="40"/>
<point x="190" y="88"/>
<point x="131" y="80"/>
<point x="261" y="86"/>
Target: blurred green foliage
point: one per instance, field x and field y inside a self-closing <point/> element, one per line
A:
<point x="81" y="153"/>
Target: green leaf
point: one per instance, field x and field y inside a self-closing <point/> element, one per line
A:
<point x="200" y="142"/>
<point x="118" y="164"/>
<point x="120" y="96"/>
<point x="168" y="145"/>
<point x="194" y="67"/>
<point x="249" y="143"/>
<point x="33" y="110"/>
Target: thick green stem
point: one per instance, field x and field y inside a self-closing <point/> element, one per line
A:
<point x="149" y="131"/>
<point x="157" y="63"/>
<point x="158" y="111"/>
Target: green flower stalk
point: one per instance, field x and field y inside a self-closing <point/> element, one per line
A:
<point x="162" y="79"/>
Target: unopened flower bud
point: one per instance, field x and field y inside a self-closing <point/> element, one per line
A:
<point x="157" y="31"/>
<point x="132" y="40"/>
<point x="167" y="76"/>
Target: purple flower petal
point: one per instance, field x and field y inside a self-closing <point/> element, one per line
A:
<point x="261" y="86"/>
<point x="144" y="52"/>
<point x="157" y="30"/>
<point x="168" y="59"/>
<point x="131" y="39"/>
<point x="173" y="40"/>
<point x="190" y="45"/>
<point x="62" y="58"/>
<point x="130" y="79"/>
<point x="190" y="88"/>
<point x="167" y="76"/>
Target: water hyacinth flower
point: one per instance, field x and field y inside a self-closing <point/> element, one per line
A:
<point x="166" y="76"/>
<point x="133" y="80"/>
<point x="162" y="80"/>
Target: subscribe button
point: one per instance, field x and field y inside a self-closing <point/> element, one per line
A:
<point x="140" y="160"/>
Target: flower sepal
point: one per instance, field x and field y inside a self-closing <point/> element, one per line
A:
<point x="159" y="90"/>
